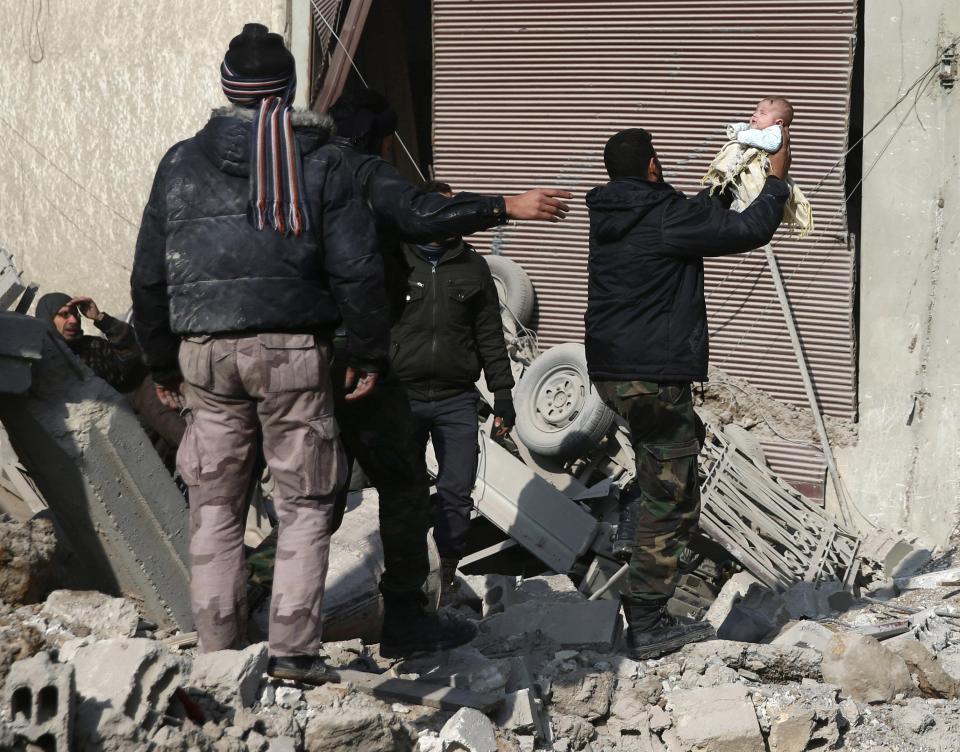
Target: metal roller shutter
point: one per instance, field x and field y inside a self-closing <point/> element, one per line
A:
<point x="526" y="93"/>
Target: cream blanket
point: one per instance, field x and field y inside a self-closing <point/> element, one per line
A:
<point x="743" y="166"/>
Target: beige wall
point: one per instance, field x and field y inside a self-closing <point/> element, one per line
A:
<point x="905" y="470"/>
<point x="92" y="96"/>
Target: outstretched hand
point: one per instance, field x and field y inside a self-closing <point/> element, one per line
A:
<point x="540" y="203"/>
<point x="780" y="160"/>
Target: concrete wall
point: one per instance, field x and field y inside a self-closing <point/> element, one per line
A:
<point x="905" y="470"/>
<point x="93" y="93"/>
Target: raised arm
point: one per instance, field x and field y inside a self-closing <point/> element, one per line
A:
<point x="417" y="216"/>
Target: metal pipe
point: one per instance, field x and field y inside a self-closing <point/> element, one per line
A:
<point x="808" y="383"/>
<point x="617" y="576"/>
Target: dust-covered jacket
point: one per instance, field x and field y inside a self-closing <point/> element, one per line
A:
<point x="202" y="268"/>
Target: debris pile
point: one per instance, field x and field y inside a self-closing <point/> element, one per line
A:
<point x="809" y="670"/>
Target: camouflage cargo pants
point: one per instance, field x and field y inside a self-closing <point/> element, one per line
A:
<point x="377" y="431"/>
<point x="665" y="433"/>
<point x="279" y="383"/>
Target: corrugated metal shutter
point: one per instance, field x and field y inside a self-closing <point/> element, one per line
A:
<point x="527" y="93"/>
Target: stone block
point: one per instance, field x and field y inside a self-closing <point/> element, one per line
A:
<point x="554" y="587"/>
<point x="759" y="612"/>
<point x="584" y="625"/>
<point x="337" y="729"/>
<point x="471" y="729"/>
<point x="231" y="676"/>
<point x="791" y="730"/>
<point x="864" y="669"/>
<point x="585" y="693"/>
<point x="38" y="700"/>
<point x="808" y="600"/>
<point x="495" y="592"/>
<point x="931" y="679"/>
<point x="804" y="634"/>
<point x="88" y="612"/>
<point x="132" y="678"/>
<point x="716" y="719"/>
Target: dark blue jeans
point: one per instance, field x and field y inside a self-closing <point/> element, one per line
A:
<point x="452" y="424"/>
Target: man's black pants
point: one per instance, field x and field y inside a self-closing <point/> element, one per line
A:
<point x="452" y="424"/>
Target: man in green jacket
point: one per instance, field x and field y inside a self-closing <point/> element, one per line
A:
<point x="450" y="330"/>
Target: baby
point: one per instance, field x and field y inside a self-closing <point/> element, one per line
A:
<point x="742" y="164"/>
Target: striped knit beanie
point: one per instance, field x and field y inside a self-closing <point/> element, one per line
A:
<point x="259" y="72"/>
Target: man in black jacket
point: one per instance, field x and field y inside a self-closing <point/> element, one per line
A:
<point x="646" y="341"/>
<point x="378" y="430"/>
<point x="246" y="261"/>
<point x="449" y="330"/>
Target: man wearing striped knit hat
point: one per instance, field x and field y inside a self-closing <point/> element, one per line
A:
<point x="253" y="246"/>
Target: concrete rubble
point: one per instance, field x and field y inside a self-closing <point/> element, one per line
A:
<point x="558" y="685"/>
<point x="852" y="644"/>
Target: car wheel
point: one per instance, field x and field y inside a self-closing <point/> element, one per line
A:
<point x="559" y="413"/>
<point x="513" y="287"/>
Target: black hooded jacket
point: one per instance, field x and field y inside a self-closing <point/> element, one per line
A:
<point x="646" y="316"/>
<point x="201" y="268"/>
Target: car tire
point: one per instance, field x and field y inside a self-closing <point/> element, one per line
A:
<point x="514" y="287"/>
<point x="559" y="413"/>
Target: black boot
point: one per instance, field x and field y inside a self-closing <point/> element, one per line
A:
<point x="652" y="632"/>
<point x="408" y="628"/>
<point x="307" y="669"/>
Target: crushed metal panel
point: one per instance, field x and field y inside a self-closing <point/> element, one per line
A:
<point x="527" y="93"/>
<point x="528" y="508"/>
<point x="780" y="536"/>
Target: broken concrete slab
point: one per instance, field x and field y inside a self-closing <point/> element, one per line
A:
<point x="929" y="675"/>
<point x="494" y="592"/>
<point x="804" y="634"/>
<point x="930" y="580"/>
<point x="522" y="713"/>
<point x="471" y="730"/>
<point x="231" y="676"/>
<point x="774" y="663"/>
<point x="27" y="551"/>
<point x="896" y="556"/>
<point x="864" y="669"/>
<point x="716" y="719"/>
<point x="134" y="678"/>
<point x="464" y="667"/>
<point x="88" y="612"/>
<point x="38" y="700"/>
<point x="591" y="625"/>
<point x="124" y="521"/>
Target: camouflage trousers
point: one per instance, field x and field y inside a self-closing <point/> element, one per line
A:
<point x="665" y="433"/>
<point x="279" y="384"/>
<point x="378" y="431"/>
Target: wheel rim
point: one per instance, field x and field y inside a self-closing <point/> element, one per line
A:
<point x="559" y="398"/>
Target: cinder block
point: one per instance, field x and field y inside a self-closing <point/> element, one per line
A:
<point x="38" y="699"/>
